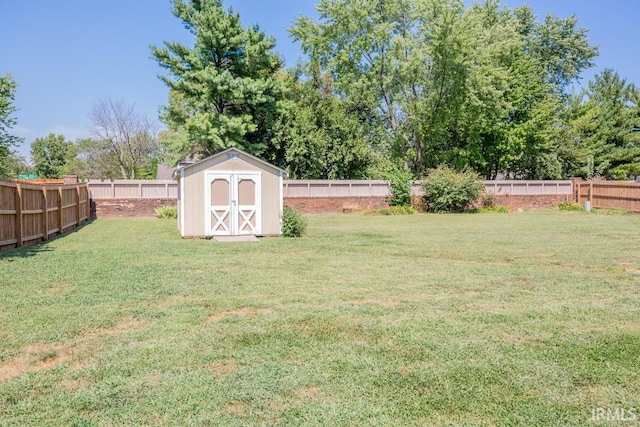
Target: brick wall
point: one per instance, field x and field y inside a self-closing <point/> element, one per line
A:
<point x="127" y="208"/>
<point x="123" y="208"/>
<point x="515" y="202"/>
<point x="321" y="205"/>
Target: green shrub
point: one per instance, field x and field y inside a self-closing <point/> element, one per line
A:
<point x="167" y="212"/>
<point x="447" y="190"/>
<point x="293" y="223"/>
<point x="570" y="206"/>
<point x="393" y="210"/>
<point x="401" y="181"/>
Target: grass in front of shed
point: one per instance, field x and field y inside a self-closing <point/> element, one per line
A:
<point x="517" y="319"/>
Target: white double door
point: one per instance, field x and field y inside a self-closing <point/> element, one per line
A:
<point x="233" y="203"/>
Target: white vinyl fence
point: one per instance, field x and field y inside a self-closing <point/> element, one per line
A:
<point x="133" y="189"/>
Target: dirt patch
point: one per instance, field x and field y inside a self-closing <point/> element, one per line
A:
<point x="632" y="270"/>
<point x="245" y="312"/>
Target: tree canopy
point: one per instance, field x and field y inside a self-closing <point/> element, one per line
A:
<point x="124" y="138"/>
<point x="319" y="136"/>
<point x="475" y="86"/>
<point x="7" y="122"/>
<point x="393" y="88"/>
<point x="604" y="123"/>
<point x="50" y="155"/>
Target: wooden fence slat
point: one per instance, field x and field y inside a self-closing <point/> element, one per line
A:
<point x="77" y="195"/>
<point x="60" y="211"/>
<point x="45" y="215"/>
<point x="19" y="240"/>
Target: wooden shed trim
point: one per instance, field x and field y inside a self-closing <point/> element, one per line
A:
<point x="179" y="172"/>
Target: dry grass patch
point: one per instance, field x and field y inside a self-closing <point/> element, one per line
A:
<point x="40" y="356"/>
<point x="123" y="326"/>
<point x="308" y="392"/>
<point x="385" y="302"/>
<point x="245" y="312"/>
<point x="222" y="368"/>
<point x="73" y="354"/>
<point x="75" y="385"/>
<point x="235" y="408"/>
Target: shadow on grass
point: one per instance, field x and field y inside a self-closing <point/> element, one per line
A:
<point x="38" y="247"/>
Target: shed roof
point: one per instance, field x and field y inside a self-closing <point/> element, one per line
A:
<point x="164" y="171"/>
<point x="226" y="152"/>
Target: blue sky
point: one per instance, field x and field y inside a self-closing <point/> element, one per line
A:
<point x="67" y="54"/>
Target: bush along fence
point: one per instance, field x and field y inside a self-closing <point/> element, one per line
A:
<point x="30" y="213"/>
<point x="515" y="194"/>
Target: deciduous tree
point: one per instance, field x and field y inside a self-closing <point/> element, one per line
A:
<point x="320" y="136"/>
<point x="7" y="122"/>
<point x="51" y="154"/>
<point x="475" y="86"/>
<point x="127" y="138"/>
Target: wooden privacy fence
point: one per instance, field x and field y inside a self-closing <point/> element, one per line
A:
<point x="31" y="213"/>
<point x="609" y="194"/>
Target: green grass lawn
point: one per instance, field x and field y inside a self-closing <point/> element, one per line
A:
<point x="513" y="319"/>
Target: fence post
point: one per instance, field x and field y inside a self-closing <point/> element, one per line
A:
<point x="45" y="215"/>
<point x="590" y="192"/>
<point x="60" y="211"/>
<point x="18" y="216"/>
<point x="78" y="209"/>
<point x="86" y="187"/>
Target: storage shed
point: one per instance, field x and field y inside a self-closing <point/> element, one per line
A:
<point x="230" y="193"/>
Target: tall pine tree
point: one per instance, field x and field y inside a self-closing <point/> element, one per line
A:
<point x="222" y="90"/>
